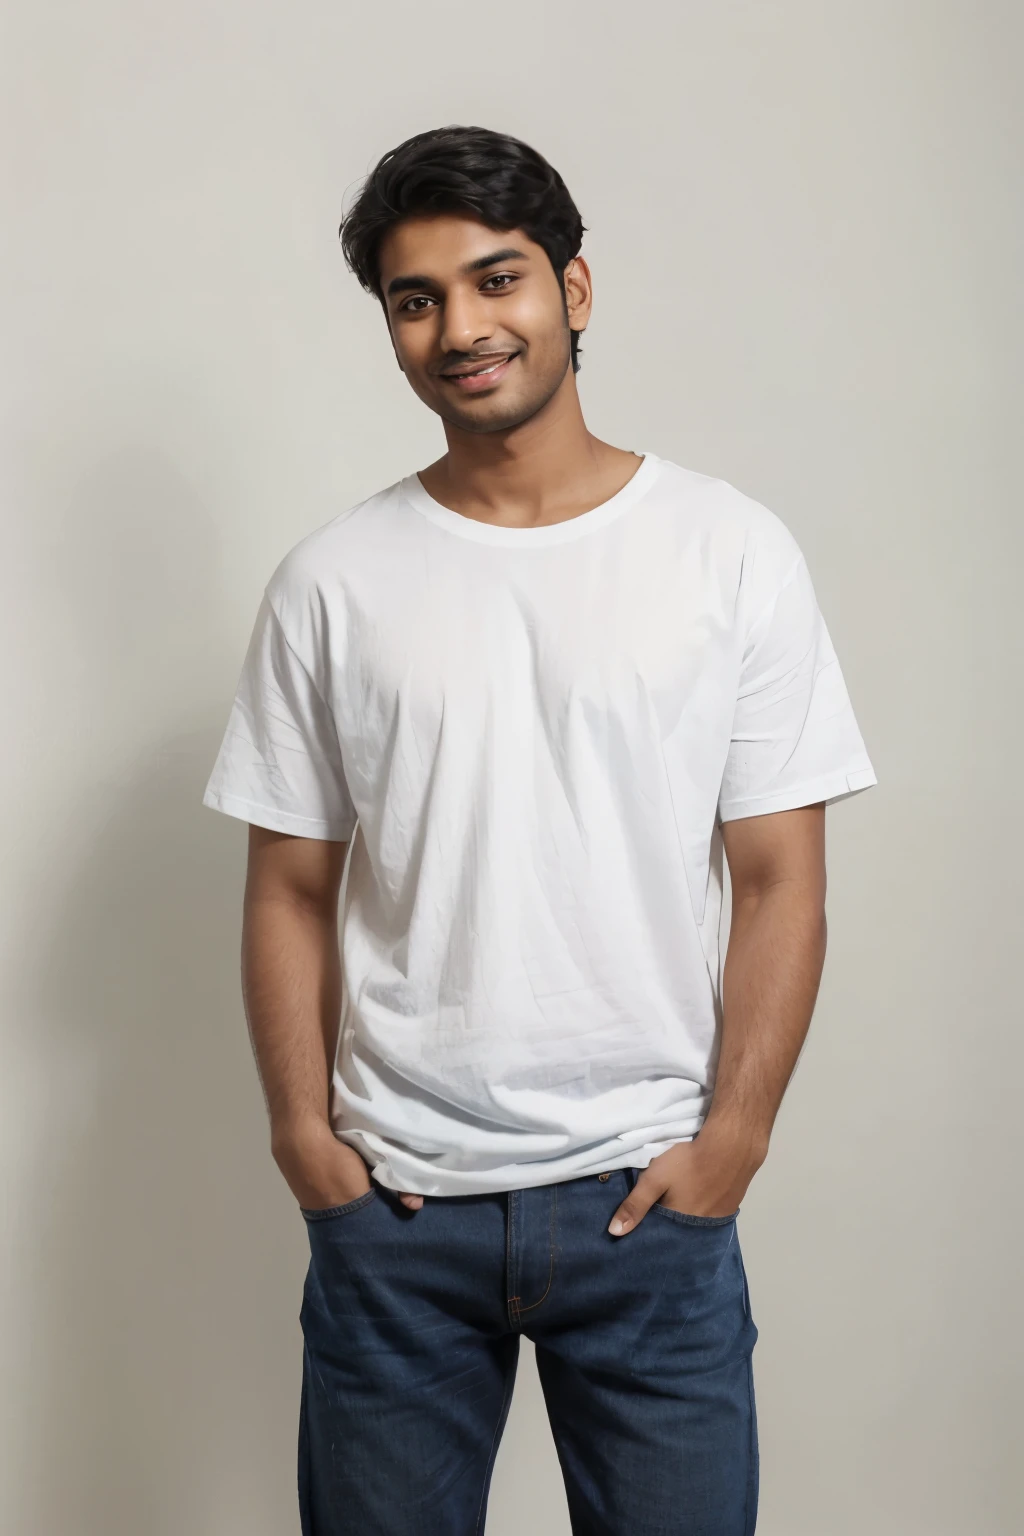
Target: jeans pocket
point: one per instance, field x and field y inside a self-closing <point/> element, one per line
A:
<point x="686" y="1220"/>
<point x="328" y="1213"/>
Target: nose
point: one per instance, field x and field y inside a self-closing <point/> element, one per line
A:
<point x="468" y="321"/>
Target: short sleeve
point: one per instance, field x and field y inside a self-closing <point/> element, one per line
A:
<point x="279" y="764"/>
<point x="795" y="740"/>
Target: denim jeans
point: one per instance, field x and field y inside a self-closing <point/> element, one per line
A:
<point x="411" y="1324"/>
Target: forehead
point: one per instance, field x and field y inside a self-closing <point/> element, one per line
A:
<point x="442" y="245"/>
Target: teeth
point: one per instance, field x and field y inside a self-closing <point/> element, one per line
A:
<point x="478" y="373"/>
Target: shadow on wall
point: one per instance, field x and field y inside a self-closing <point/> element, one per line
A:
<point x="161" y="1256"/>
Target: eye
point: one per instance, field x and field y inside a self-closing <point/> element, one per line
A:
<point x="504" y="278"/>
<point x="417" y="300"/>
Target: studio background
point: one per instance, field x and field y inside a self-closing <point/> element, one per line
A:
<point x="804" y="230"/>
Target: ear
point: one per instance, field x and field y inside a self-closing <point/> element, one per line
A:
<point x="579" y="293"/>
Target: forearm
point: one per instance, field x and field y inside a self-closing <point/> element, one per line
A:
<point x="770" y="983"/>
<point x="291" y="984"/>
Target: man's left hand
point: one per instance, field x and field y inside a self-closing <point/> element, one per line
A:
<point x="704" y="1177"/>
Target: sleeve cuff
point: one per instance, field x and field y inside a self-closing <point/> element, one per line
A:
<point x="276" y="820"/>
<point x="830" y="788"/>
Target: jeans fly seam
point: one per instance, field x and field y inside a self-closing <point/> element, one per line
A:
<point x="551" y="1257"/>
<point x="511" y="1277"/>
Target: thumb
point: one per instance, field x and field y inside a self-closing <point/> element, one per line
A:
<point x="636" y="1204"/>
<point x="411" y="1202"/>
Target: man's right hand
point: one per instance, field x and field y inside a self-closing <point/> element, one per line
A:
<point x="322" y="1171"/>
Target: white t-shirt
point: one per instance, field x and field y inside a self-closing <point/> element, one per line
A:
<point x="531" y="737"/>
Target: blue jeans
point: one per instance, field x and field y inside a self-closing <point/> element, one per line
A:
<point x="411" y="1322"/>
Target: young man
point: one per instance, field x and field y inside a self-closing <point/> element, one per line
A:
<point x="524" y="700"/>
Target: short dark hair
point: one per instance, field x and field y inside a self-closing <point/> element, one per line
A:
<point x="492" y="176"/>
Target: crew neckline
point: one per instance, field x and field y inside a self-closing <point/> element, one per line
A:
<point x="563" y="532"/>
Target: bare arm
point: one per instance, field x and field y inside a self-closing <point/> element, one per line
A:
<point x="772" y="971"/>
<point x="291" y="987"/>
<point x="773" y="966"/>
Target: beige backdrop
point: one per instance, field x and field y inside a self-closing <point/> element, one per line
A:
<point x="805" y="236"/>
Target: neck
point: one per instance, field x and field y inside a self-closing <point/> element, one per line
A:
<point x="547" y="468"/>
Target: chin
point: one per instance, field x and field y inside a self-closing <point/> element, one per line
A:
<point x="494" y="415"/>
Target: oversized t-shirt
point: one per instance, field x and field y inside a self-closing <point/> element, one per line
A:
<point x="530" y="739"/>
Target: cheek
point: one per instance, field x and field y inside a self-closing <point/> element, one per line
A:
<point x="413" y="347"/>
<point x="414" y="356"/>
<point x="544" y="330"/>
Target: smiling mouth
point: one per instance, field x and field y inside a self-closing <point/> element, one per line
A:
<point x="487" y="366"/>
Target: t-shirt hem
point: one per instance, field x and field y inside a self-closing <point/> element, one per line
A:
<point x="831" y="788"/>
<point x="276" y="820"/>
<point x="405" y="1173"/>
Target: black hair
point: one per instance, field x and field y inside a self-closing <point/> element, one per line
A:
<point x="492" y="176"/>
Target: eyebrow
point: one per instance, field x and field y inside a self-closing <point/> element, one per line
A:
<point x="415" y="280"/>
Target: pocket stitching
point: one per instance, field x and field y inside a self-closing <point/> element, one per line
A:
<point x="686" y="1220"/>
<point x="330" y="1211"/>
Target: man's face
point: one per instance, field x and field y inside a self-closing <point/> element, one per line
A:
<point x="477" y="319"/>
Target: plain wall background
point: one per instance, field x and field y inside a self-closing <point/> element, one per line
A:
<point x="805" y="235"/>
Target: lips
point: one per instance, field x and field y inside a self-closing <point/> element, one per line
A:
<point x="483" y="374"/>
<point x="483" y="365"/>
